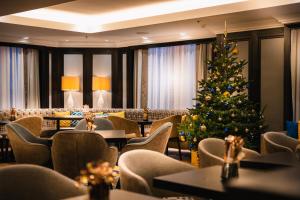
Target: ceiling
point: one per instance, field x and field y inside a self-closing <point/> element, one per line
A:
<point x="136" y="22"/>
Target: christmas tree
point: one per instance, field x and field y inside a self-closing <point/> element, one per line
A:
<point x="222" y="103"/>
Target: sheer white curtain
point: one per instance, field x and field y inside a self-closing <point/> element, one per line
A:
<point x="11" y="78"/>
<point x="295" y="72"/>
<point x="32" y="79"/>
<point x="171" y="77"/>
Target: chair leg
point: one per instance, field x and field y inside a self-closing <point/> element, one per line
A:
<point x="179" y="149"/>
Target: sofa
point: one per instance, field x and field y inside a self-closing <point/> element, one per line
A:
<point x="133" y="114"/>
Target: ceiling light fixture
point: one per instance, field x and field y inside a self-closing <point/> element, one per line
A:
<point x="145" y="38"/>
<point x="25" y="38"/>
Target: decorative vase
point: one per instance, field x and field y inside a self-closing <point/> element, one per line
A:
<point x="195" y="158"/>
<point x="99" y="191"/>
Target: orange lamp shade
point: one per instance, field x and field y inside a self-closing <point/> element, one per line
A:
<point x="70" y="83"/>
<point x="101" y="83"/>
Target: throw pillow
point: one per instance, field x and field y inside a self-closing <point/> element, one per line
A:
<point x="63" y="123"/>
<point x="118" y="114"/>
<point x="75" y="113"/>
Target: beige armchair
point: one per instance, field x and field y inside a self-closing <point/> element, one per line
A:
<point x="211" y="152"/>
<point x="33" y="124"/>
<point x="131" y="127"/>
<point x="174" y="141"/>
<point x="28" y="148"/>
<point x="139" y="167"/>
<point x="157" y="141"/>
<point x="72" y="150"/>
<point x="36" y="183"/>
<point x="278" y="142"/>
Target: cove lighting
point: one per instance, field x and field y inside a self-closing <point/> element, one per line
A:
<point x="92" y="23"/>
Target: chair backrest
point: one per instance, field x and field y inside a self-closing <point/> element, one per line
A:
<point x="139" y="167"/>
<point x="211" y="152"/>
<point x="130" y="127"/>
<point x="72" y="150"/>
<point x="27" y="148"/>
<point x="157" y="141"/>
<point x="35" y="183"/>
<point x="101" y="124"/>
<point x="33" y="124"/>
<point x="278" y="142"/>
<point x="174" y="119"/>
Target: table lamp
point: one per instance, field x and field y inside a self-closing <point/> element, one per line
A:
<point x="70" y="84"/>
<point x="100" y="85"/>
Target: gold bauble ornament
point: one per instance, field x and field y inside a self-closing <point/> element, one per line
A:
<point x="203" y="128"/>
<point x="217" y="89"/>
<point x="235" y="51"/>
<point x="226" y="94"/>
<point x="207" y="98"/>
<point x="236" y="129"/>
<point x="246" y="130"/>
<point x="182" y="138"/>
<point x="195" y="139"/>
<point x="183" y="118"/>
<point x="195" y="117"/>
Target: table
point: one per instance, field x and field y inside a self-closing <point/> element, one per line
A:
<point x="204" y="182"/>
<point x="274" y="160"/>
<point x="113" y="135"/>
<point x="143" y="124"/>
<point x="118" y="195"/>
<point x="276" y="185"/>
<point x="58" y="119"/>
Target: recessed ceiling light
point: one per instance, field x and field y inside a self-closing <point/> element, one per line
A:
<point x="25" y="38"/>
<point x="106" y="40"/>
<point x="182" y="34"/>
<point x="147" y="41"/>
<point x="145" y="38"/>
<point x="67" y="40"/>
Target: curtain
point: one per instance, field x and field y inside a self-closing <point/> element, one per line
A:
<point x="141" y="78"/>
<point x="171" y="77"/>
<point x="295" y="72"/>
<point x="203" y="53"/>
<point x="11" y="78"/>
<point x="32" y="86"/>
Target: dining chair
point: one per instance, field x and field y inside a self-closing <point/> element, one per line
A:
<point x="101" y="124"/>
<point x="33" y="124"/>
<point x="72" y="150"/>
<point x="211" y="152"/>
<point x="274" y="142"/>
<point x="131" y="127"/>
<point x="139" y="167"/>
<point x="28" y="148"/>
<point x="157" y="141"/>
<point x="35" y="182"/>
<point x="174" y="141"/>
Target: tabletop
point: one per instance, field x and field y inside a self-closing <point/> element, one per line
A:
<point x="70" y="117"/>
<point x="280" y="159"/>
<point x="117" y="195"/>
<point x="278" y="184"/>
<point x="204" y="182"/>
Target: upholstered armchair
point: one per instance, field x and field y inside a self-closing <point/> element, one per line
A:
<point x="139" y="167"/>
<point x="101" y="124"/>
<point x="211" y="152"/>
<point x="32" y="123"/>
<point x="34" y="182"/>
<point x="72" y="150"/>
<point x="174" y="141"/>
<point x="28" y="148"/>
<point x="157" y="141"/>
<point x="274" y="142"/>
<point x="131" y="127"/>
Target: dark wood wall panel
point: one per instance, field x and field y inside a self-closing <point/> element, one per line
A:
<point x="87" y="78"/>
<point x="44" y="77"/>
<point x="130" y="77"/>
<point x="117" y="79"/>
<point x="57" y="73"/>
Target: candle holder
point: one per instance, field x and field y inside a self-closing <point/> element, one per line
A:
<point x="98" y="177"/>
<point x="233" y="154"/>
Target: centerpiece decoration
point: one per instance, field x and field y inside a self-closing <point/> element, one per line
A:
<point x="232" y="156"/>
<point x="222" y="104"/>
<point x="89" y="117"/>
<point x="98" y="177"/>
